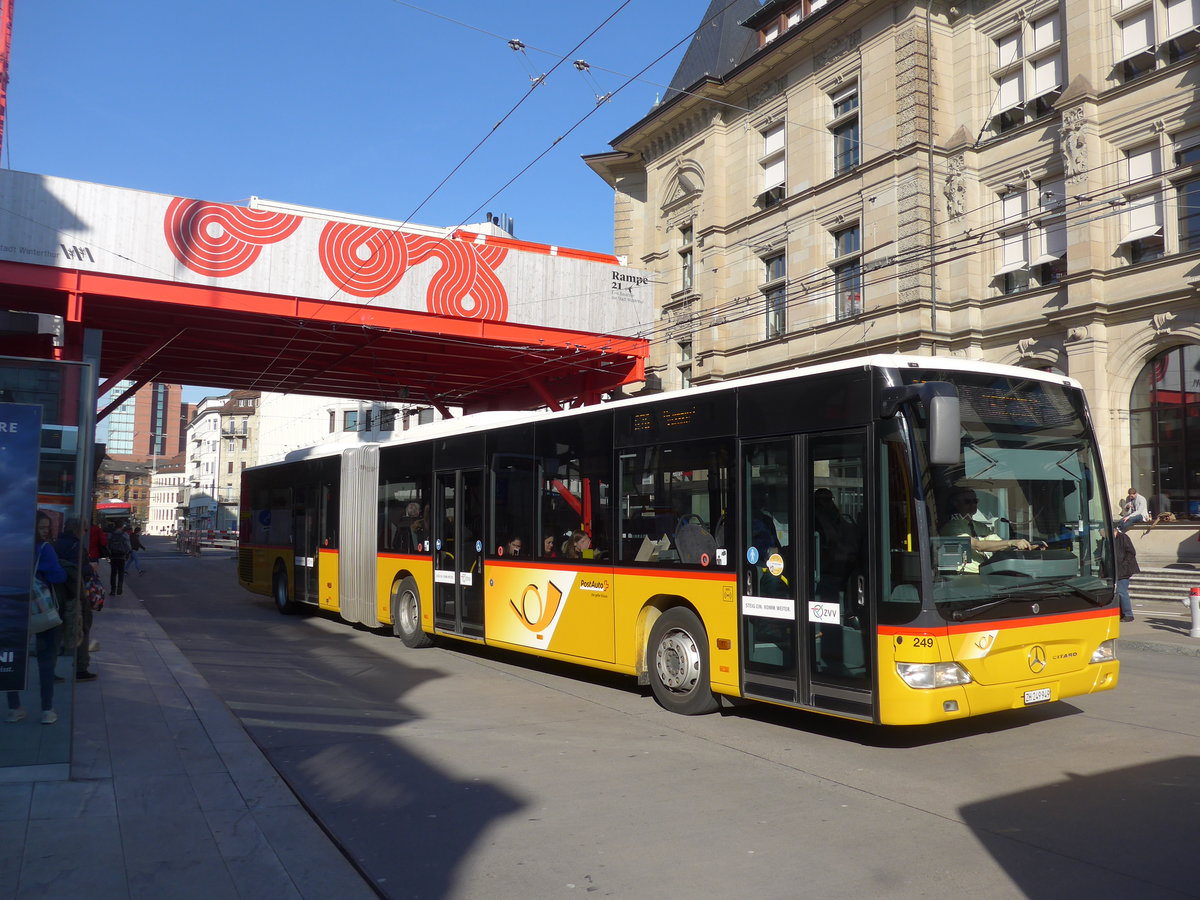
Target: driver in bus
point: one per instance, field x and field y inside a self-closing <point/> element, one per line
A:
<point x="966" y="522"/>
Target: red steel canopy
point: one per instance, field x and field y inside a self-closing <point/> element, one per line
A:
<point x="193" y="334"/>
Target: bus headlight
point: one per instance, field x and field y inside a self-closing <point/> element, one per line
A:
<point x="1106" y="652"/>
<point x="932" y="675"/>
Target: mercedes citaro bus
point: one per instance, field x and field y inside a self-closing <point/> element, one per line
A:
<point x="897" y="540"/>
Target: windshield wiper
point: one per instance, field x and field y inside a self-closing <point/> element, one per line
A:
<point x="1077" y="591"/>
<point x="959" y="615"/>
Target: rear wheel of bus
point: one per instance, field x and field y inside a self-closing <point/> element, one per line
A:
<point x="677" y="660"/>
<point x="406" y="614"/>
<point x="279" y="590"/>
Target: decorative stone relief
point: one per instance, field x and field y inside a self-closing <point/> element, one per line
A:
<point x="1074" y="144"/>
<point x="839" y="48"/>
<point x="956" y="187"/>
<point x="1079" y="333"/>
<point x="768" y="91"/>
<point x="1025" y="346"/>
<point x="1162" y="322"/>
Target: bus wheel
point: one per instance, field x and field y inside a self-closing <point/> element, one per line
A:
<point x="677" y="658"/>
<point x="406" y="614"/>
<point x="279" y="591"/>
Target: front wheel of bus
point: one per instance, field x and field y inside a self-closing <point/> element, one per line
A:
<point x="406" y="614"/>
<point x="279" y="591"/>
<point x="677" y="657"/>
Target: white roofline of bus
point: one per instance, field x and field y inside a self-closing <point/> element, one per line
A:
<point x="494" y="419"/>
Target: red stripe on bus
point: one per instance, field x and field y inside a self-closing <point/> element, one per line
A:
<point x="1006" y="624"/>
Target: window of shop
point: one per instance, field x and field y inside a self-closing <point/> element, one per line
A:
<point x="1164" y="427"/>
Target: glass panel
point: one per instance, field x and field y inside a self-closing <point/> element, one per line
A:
<point x="1046" y="75"/>
<point x="1136" y="34"/>
<point x="769" y="588"/>
<point x="1010" y="95"/>
<point x="673" y="502"/>
<point x="899" y="594"/>
<point x="1038" y="526"/>
<point x="1181" y="15"/>
<point x="1189" y="215"/>
<point x="1008" y="49"/>
<point x="838" y="619"/>
<point x="1045" y="32"/>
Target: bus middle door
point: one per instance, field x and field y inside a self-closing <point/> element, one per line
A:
<point x="457" y="529"/>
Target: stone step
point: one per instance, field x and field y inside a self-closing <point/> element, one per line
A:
<point x="1169" y="585"/>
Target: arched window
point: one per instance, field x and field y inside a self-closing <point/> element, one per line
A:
<point x="1164" y="432"/>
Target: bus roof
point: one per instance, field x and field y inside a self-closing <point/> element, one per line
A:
<point x="467" y="424"/>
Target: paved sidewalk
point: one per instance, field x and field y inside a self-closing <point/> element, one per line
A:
<point x="1159" y="626"/>
<point x="165" y="796"/>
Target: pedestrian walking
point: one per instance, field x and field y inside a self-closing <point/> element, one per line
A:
<point x="136" y="545"/>
<point x="119" y="549"/>
<point x="1127" y="567"/>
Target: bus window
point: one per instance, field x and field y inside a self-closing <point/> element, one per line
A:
<point x="575" y="487"/>
<point x="673" y="503"/>
<point x="899" y="590"/>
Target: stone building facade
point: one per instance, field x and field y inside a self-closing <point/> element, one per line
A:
<point x="1015" y="181"/>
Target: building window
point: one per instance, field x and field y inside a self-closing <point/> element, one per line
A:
<point x="773" y="166"/>
<point x="774" y="288"/>
<point x="332" y="421"/>
<point x="685" y="363"/>
<point x="387" y="419"/>
<point x="1164" y="422"/>
<point x="847" y="148"/>
<point x="1012" y="274"/>
<point x="686" y="270"/>
<point x="1142" y="232"/>
<point x="1146" y="32"/>
<point x="1049" y="265"/>
<point x="847" y="273"/>
<point x="1027" y="72"/>
<point x="350" y="420"/>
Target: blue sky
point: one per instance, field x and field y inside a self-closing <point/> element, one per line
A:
<point x="361" y="106"/>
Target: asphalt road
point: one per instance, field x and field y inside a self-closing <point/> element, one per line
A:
<point x="468" y="773"/>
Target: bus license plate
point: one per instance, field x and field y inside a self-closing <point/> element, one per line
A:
<point x="1041" y="695"/>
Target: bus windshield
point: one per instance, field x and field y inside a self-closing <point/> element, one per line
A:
<point x="1021" y="518"/>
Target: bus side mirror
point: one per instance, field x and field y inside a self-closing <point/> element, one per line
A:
<point x="940" y="402"/>
<point x="945" y="427"/>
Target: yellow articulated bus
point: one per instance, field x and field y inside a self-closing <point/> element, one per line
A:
<point x="897" y="540"/>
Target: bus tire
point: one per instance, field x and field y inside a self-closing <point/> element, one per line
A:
<point x="406" y="614"/>
<point x="677" y="660"/>
<point x="279" y="591"/>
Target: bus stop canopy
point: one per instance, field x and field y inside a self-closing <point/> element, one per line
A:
<point x="293" y="300"/>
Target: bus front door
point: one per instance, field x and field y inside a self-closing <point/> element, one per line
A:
<point x="837" y="606"/>
<point x="805" y="610"/>
<point x="458" y="552"/>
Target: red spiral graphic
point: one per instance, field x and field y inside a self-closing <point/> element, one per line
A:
<point x="466" y="284"/>
<point x="362" y="261"/>
<point x="220" y="240"/>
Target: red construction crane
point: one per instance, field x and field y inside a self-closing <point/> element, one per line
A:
<point x="6" y="7"/>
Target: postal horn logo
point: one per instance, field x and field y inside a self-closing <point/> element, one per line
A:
<point x="534" y="612"/>
<point x="1037" y="658"/>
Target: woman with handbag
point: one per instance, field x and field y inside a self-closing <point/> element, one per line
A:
<point x="44" y="621"/>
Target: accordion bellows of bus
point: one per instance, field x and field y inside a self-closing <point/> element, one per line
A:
<point x="898" y="540"/>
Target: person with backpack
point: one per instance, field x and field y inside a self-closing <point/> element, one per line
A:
<point x="119" y="548"/>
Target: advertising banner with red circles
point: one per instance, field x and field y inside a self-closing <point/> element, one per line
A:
<point x="476" y="272"/>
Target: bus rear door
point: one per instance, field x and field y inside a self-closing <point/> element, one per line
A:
<point x="458" y="534"/>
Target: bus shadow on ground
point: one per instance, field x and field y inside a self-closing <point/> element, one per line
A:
<point x="1129" y="832"/>
<point x="338" y="742"/>
<point x="897" y="736"/>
